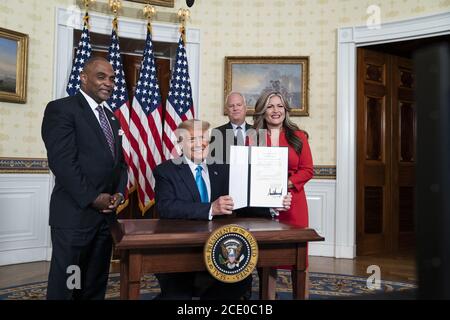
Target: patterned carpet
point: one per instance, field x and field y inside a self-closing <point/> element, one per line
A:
<point x="321" y="286"/>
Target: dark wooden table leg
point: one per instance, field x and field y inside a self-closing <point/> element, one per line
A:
<point x="134" y="279"/>
<point x="124" y="275"/>
<point x="267" y="283"/>
<point x="298" y="273"/>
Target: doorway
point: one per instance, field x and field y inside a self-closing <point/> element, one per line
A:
<point x="348" y="40"/>
<point x="385" y="149"/>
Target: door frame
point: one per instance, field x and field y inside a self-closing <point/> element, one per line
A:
<point x="348" y="39"/>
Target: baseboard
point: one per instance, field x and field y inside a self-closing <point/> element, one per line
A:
<point x="346" y="252"/>
<point x="49" y="254"/>
<point x="321" y="249"/>
<point x="22" y="256"/>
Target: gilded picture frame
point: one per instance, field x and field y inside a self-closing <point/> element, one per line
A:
<point x="254" y="75"/>
<point x="13" y="66"/>
<point x="163" y="3"/>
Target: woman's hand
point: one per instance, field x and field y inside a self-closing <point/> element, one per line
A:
<point x="286" y="203"/>
<point x="290" y="184"/>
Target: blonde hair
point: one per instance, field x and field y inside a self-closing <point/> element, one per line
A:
<point x="191" y="124"/>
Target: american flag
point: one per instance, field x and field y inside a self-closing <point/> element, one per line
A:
<point x="82" y="54"/>
<point x="179" y="106"/>
<point x="119" y="104"/>
<point x="146" y="126"/>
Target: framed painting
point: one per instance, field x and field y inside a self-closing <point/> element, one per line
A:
<point x="163" y="3"/>
<point x="252" y="76"/>
<point x="13" y="66"/>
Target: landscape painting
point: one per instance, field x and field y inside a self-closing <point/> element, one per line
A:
<point x="253" y="76"/>
<point x="13" y="66"/>
<point x="8" y="65"/>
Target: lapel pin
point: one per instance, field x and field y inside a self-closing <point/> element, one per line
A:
<point x="112" y="118"/>
<point x="215" y="172"/>
<point x="120" y="132"/>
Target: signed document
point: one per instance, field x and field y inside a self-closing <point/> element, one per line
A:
<point x="258" y="176"/>
<point x="268" y="176"/>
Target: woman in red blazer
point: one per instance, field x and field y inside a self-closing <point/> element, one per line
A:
<point x="272" y="113"/>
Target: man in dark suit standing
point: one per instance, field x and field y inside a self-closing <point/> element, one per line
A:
<point x="84" y="151"/>
<point x="189" y="188"/>
<point x="234" y="132"/>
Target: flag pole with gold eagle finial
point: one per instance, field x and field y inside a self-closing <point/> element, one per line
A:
<point x="82" y="54"/>
<point x="115" y="5"/>
<point x="119" y="102"/>
<point x="149" y="12"/>
<point x="183" y="15"/>
<point x="86" y="16"/>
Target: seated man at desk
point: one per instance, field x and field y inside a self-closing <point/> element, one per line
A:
<point x="189" y="188"/>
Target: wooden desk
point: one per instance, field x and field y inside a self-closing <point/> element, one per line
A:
<point x="162" y="246"/>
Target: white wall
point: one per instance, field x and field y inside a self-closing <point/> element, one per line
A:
<point x="320" y="194"/>
<point x="24" y="231"/>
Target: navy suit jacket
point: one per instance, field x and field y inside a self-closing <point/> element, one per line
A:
<point x="80" y="158"/>
<point x="176" y="192"/>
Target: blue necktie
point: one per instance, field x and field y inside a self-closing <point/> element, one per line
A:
<point x="201" y="185"/>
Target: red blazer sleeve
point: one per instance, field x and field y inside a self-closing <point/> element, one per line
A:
<point x="305" y="165"/>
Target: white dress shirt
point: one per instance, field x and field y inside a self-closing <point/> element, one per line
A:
<point x="94" y="106"/>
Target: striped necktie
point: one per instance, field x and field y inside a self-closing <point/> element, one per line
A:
<point x="104" y="124"/>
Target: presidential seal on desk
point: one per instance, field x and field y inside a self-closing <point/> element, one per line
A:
<point x="230" y="253"/>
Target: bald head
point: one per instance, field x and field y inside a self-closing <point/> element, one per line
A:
<point x="97" y="79"/>
<point x="91" y="62"/>
<point x="236" y="108"/>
